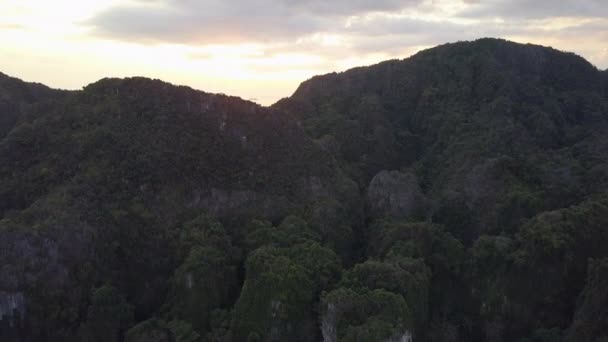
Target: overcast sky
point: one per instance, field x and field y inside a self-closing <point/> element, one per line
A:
<point x="262" y="49"/>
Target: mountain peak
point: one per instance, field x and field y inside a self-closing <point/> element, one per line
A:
<point x="462" y="62"/>
<point x="372" y="205"/>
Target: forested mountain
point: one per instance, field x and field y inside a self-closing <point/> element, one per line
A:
<point x="16" y="96"/>
<point x="98" y="187"/>
<point x="456" y="195"/>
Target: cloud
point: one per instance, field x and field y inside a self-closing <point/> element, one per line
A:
<point x="334" y="31"/>
<point x="382" y="25"/>
<point x="11" y="26"/>
<point x="214" y="21"/>
<point x="364" y="23"/>
<point x="392" y="35"/>
<point x="535" y="8"/>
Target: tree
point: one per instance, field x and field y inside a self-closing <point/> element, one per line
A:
<point x="276" y="300"/>
<point x="108" y="317"/>
<point x="364" y="315"/>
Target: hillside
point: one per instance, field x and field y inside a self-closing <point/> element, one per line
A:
<point x="456" y="195"/>
<point x="16" y="96"/>
<point x="95" y="186"/>
<point x="471" y="121"/>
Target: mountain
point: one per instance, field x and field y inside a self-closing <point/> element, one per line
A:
<point x="456" y="195"/>
<point x="16" y="94"/>
<point x="469" y="121"/>
<point x="605" y="73"/>
<point x="94" y="184"/>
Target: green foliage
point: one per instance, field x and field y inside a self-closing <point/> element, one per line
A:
<point x="491" y="254"/>
<point x="321" y="263"/>
<point x="440" y="250"/>
<point x="203" y="231"/>
<point x="490" y="261"/>
<point x="205" y="281"/>
<point x="276" y="298"/>
<point x="157" y="330"/>
<point x="183" y="331"/>
<point x="259" y="233"/>
<point x="291" y="231"/>
<point x="108" y="315"/>
<point x="545" y="335"/>
<point x="405" y="276"/>
<point x="549" y="257"/>
<point x="284" y="277"/>
<point x="331" y="220"/>
<point x="202" y="283"/>
<point x="152" y="330"/>
<point x="296" y="230"/>
<point x="364" y="315"/>
<point x="216" y="219"/>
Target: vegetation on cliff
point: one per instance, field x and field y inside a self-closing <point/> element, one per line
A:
<point x="457" y="195"/>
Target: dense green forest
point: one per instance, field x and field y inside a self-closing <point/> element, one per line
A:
<point x="460" y="194"/>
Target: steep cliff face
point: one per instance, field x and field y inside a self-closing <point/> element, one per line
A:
<point x="396" y="195"/>
<point x="12" y="307"/>
<point x="12" y="314"/>
<point x="591" y="318"/>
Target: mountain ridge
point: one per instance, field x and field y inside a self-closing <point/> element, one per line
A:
<point x="456" y="195"/>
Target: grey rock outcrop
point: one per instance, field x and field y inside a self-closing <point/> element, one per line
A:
<point x="11" y="305"/>
<point x="404" y="337"/>
<point x="395" y="194"/>
<point x="328" y="324"/>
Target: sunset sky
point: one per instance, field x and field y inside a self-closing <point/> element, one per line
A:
<point x="262" y="49"/>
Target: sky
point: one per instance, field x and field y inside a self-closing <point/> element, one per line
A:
<point x="262" y="50"/>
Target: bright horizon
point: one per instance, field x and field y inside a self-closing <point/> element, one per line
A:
<point x="262" y="50"/>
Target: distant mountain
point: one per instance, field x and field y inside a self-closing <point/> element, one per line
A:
<point x="456" y="195"/>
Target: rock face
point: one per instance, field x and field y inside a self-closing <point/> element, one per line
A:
<point x="12" y="314"/>
<point x="328" y="324"/>
<point x="396" y="195"/>
<point x="591" y="319"/>
<point x="12" y="304"/>
<point x="405" y="337"/>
